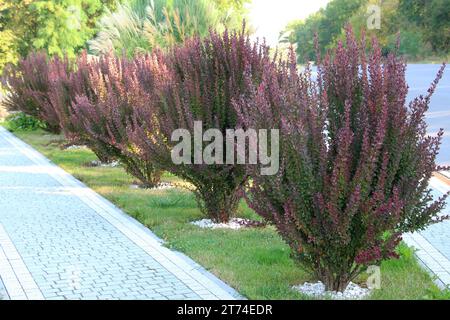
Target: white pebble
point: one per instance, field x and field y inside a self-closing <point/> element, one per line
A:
<point x="235" y="224"/>
<point x="317" y="290"/>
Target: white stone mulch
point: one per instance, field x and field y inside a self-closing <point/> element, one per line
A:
<point x="160" y="186"/>
<point x="98" y="163"/>
<point x="235" y="224"/>
<point x="76" y="147"/>
<point x="317" y="290"/>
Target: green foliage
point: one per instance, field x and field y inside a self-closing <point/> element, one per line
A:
<point x="55" y="26"/>
<point x="7" y="54"/>
<point x="433" y="17"/>
<point x="62" y="25"/>
<point x="24" y="122"/>
<point x="412" y="45"/>
<point x="17" y="23"/>
<point x="232" y="11"/>
<point x="424" y="27"/>
<point x="226" y="5"/>
<point x="434" y="293"/>
<point x="327" y="23"/>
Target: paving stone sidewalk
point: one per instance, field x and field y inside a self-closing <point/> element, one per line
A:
<point x="433" y="244"/>
<point x="61" y="240"/>
<point x="3" y="294"/>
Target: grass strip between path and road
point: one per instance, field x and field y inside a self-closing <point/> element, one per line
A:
<point x="255" y="262"/>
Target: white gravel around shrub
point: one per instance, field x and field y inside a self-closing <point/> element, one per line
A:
<point x="160" y="186"/>
<point x="98" y="163"/>
<point x="235" y="224"/>
<point x="317" y="290"/>
<point x="76" y="147"/>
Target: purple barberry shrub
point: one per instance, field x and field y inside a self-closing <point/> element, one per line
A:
<point x="105" y="112"/>
<point x="200" y="80"/>
<point x="355" y="159"/>
<point x="27" y="85"/>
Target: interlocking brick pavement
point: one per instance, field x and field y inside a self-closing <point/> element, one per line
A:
<point x="61" y="240"/>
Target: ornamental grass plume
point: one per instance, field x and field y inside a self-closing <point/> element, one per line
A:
<point x="355" y="159"/>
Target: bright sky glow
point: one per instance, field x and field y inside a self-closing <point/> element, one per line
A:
<point x="270" y="17"/>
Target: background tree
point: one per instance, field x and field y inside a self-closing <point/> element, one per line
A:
<point x="233" y="12"/>
<point x="423" y="25"/>
<point x="16" y="25"/>
<point x="327" y="23"/>
<point x="433" y="18"/>
<point x="393" y="22"/>
<point x="59" y="27"/>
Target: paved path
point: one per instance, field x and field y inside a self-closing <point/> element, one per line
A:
<point x="433" y="244"/>
<point x="419" y="77"/>
<point x="61" y="240"/>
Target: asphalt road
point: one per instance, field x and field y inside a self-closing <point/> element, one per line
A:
<point x="419" y="77"/>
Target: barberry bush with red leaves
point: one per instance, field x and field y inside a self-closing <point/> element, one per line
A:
<point x="200" y="80"/>
<point x="355" y="159"/>
<point x="28" y="84"/>
<point x="105" y="111"/>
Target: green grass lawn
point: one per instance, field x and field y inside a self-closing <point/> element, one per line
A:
<point x="256" y="262"/>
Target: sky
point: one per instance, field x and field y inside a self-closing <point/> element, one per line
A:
<point x="269" y="17"/>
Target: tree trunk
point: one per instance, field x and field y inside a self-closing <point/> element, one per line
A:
<point x="52" y="129"/>
<point x="102" y="155"/>
<point x="335" y="282"/>
<point x="146" y="172"/>
<point x="219" y="207"/>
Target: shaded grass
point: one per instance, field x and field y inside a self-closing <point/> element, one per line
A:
<point x="256" y="262"/>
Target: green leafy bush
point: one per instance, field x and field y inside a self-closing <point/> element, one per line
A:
<point x="59" y="27"/>
<point x="21" y="121"/>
